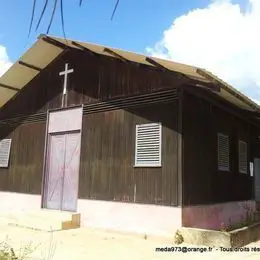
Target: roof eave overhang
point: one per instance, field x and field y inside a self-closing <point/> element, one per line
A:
<point x="47" y="48"/>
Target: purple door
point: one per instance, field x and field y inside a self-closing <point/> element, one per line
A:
<point x="63" y="159"/>
<point x="55" y="165"/>
<point x="71" y="170"/>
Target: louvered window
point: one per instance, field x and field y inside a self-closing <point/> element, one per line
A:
<point x="148" y="145"/>
<point x="242" y="156"/>
<point x="223" y="152"/>
<point x="5" y="146"/>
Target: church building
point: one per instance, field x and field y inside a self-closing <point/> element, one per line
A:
<point x="131" y="142"/>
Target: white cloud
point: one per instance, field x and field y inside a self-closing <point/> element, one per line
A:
<point x="5" y="62"/>
<point x="221" y="38"/>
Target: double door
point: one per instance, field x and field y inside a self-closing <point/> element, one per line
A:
<point x="62" y="171"/>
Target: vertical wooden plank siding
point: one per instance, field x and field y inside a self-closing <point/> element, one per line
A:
<point x="24" y="173"/>
<point x="203" y="183"/>
<point x="180" y="163"/>
<point x="94" y="79"/>
<point x="106" y="169"/>
<point x="107" y="163"/>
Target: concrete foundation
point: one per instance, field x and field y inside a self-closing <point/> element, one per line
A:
<point x="140" y="218"/>
<point x="130" y="217"/>
<point x="212" y="238"/>
<point x="216" y="215"/>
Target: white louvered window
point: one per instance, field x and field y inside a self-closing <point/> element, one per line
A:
<point x="148" y="145"/>
<point x="5" y="145"/>
<point x="242" y="156"/>
<point x="223" y="152"/>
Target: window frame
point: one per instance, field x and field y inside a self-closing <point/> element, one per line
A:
<point x="6" y="165"/>
<point x="152" y="165"/>
<point x="221" y="167"/>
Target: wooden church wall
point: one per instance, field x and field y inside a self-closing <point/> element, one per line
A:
<point x="107" y="157"/>
<point x="24" y="173"/>
<point x="203" y="182"/>
<point x="94" y="79"/>
<point x="104" y="87"/>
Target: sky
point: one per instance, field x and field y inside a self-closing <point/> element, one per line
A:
<point x="222" y="36"/>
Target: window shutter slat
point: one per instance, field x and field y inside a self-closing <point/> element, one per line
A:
<point x="148" y="145"/>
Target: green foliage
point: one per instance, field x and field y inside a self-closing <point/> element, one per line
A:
<point x="178" y="238"/>
<point x="7" y="252"/>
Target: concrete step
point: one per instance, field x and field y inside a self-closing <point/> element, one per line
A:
<point x="45" y="220"/>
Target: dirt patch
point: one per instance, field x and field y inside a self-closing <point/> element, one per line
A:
<point x="86" y="243"/>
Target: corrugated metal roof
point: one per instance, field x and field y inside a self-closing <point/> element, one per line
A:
<point x="42" y="53"/>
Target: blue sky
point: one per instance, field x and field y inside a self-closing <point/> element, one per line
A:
<point x="221" y="36"/>
<point x="136" y="25"/>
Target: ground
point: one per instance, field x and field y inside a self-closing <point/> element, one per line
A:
<point x="86" y="243"/>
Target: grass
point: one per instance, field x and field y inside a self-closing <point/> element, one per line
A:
<point x="7" y="252"/>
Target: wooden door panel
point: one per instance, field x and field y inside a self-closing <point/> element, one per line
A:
<point x="71" y="172"/>
<point x="55" y="169"/>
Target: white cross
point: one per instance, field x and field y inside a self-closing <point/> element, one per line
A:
<point x="65" y="74"/>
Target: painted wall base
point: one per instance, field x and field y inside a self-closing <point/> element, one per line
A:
<point x="140" y="218"/>
<point x="11" y="201"/>
<point x="130" y="217"/>
<point x="215" y="215"/>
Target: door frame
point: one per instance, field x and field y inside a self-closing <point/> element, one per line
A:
<point x="46" y="145"/>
